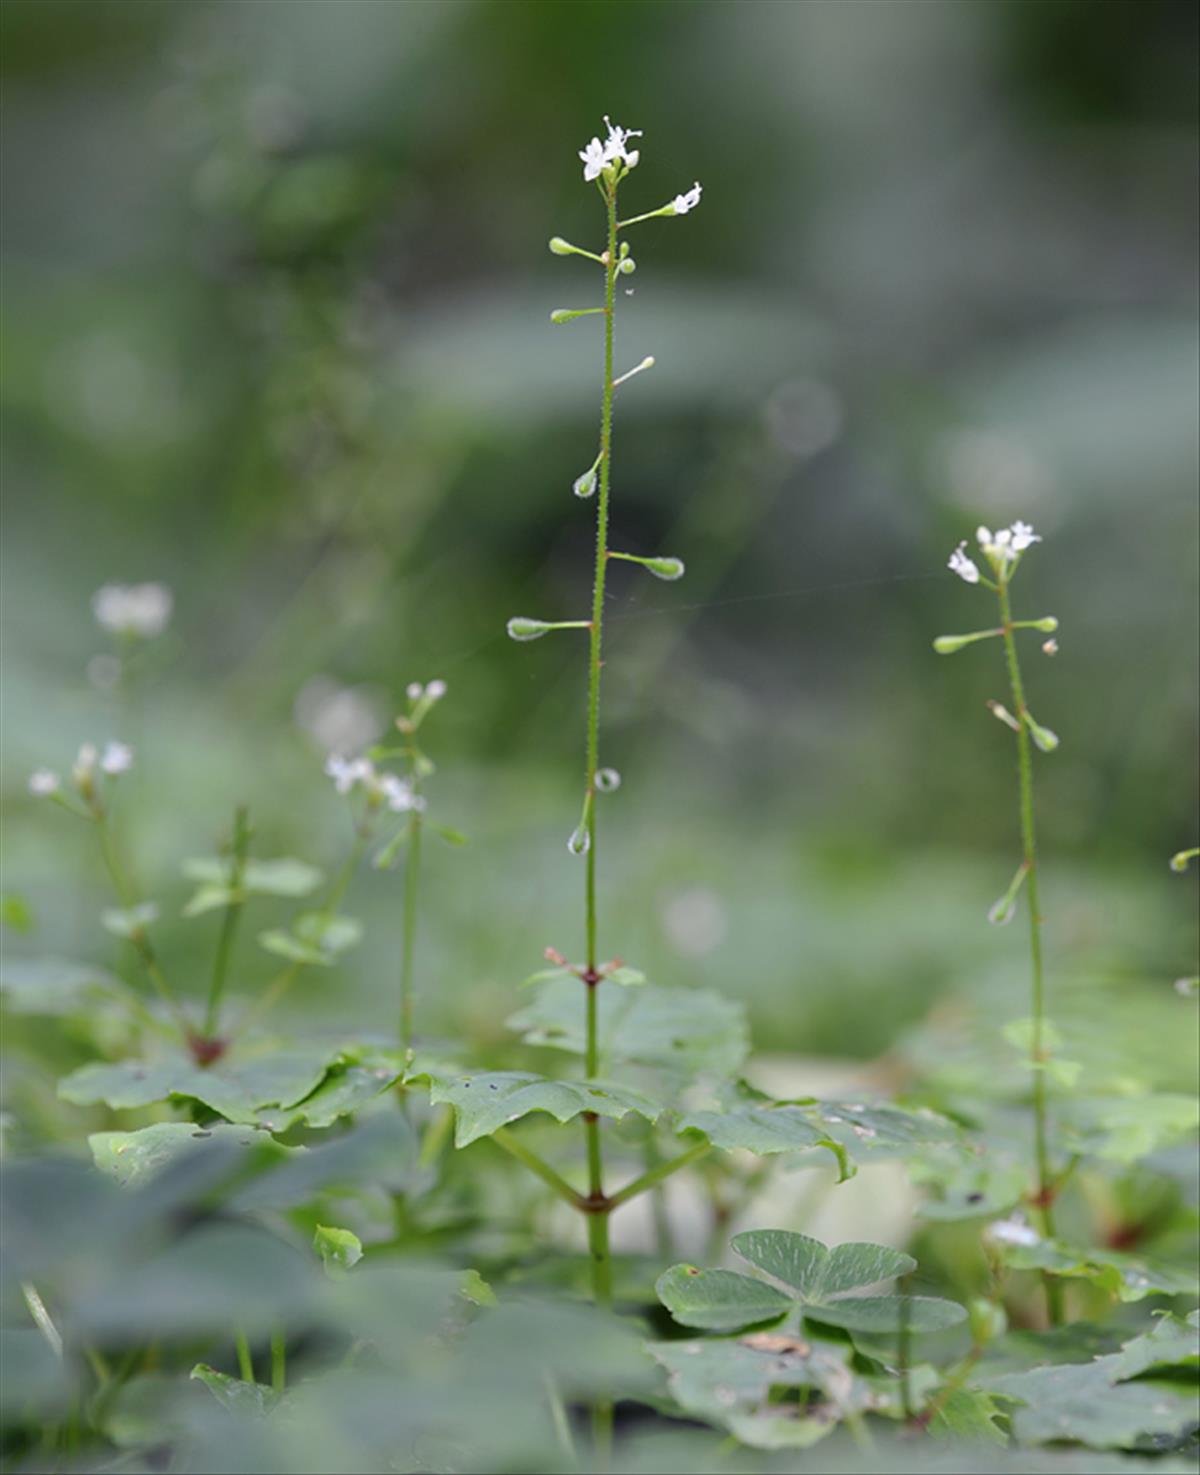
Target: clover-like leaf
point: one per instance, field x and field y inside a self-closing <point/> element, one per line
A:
<point x="719" y="1300"/>
<point x="484" y="1102"/>
<point x="814" y="1272"/>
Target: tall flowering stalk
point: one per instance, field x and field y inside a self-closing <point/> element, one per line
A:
<point x="1003" y="552"/>
<point x="607" y="164"/>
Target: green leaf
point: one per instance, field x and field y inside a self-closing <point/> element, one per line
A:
<point x="1169" y="1343"/>
<point x="130" y="921"/>
<point x="484" y="1102"/>
<point x="889" y="1314"/>
<point x="624" y="975"/>
<point x="1125" y="1276"/>
<point x="719" y="1300"/>
<point x="1086" y="1403"/>
<point x="814" y="1272"/>
<point x="473" y="1288"/>
<point x="133" y="1157"/>
<point x="235" y="1396"/>
<point x="349" y="1084"/>
<point x="284" y="945"/>
<point x="339" y="1249"/>
<point x="332" y="935"/>
<point x="967" y="1414"/>
<point x="210" y="896"/>
<point x="241" y="1089"/>
<point x="54" y="985"/>
<point x="694" y="1031"/>
<point x="765" y="1130"/>
<point x="451" y="837"/>
<point x="1125" y="1128"/>
<point x="283" y="877"/>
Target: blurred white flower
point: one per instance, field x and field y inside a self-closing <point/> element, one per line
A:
<point x="414" y="691"/>
<point x="133" y="609"/>
<point x="346" y="772"/>
<point x="1023" y="536"/>
<point x="681" y="204"/>
<point x="398" y="793"/>
<point x="436" y="690"/>
<point x="116" y="758"/>
<point x="43" y="782"/>
<point x="1015" y="1230"/>
<point x="960" y="564"/>
<point x="340" y="719"/>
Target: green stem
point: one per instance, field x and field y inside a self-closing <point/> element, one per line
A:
<point x="233" y="912"/>
<point x="412" y="877"/>
<point x="537" y="1165"/>
<point x="278" y="1360"/>
<point x="1045" y="1184"/>
<point x="42" y="1318"/>
<point x="141" y="943"/>
<point x="657" y="1174"/>
<point x="245" y="1360"/>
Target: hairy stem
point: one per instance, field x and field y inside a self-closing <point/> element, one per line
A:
<point x="1045" y="1184"/>
<point x="233" y="912"/>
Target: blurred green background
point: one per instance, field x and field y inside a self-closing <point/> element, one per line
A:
<point x="276" y="306"/>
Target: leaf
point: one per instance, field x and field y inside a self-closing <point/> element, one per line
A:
<point x="765" y="1130"/>
<point x="239" y="1089"/>
<point x="889" y="1314"/>
<point x="349" y="1084"/>
<point x="1125" y="1128"/>
<point x="133" y="1157"/>
<point x="451" y="837"/>
<point x="473" y="1288"/>
<point x="54" y="985"/>
<point x="719" y="1300"/>
<point x="694" y="1031"/>
<point x="235" y="1396"/>
<point x="968" y="1414"/>
<point x="209" y="897"/>
<point x="339" y="1249"/>
<point x="1124" y="1276"/>
<point x="814" y="1272"/>
<point x="625" y="976"/>
<point x="1085" y="1402"/>
<point x="130" y="921"/>
<point x="286" y="946"/>
<point x="285" y="876"/>
<point x="331" y="934"/>
<point x="1169" y="1343"/>
<point x="484" y="1102"/>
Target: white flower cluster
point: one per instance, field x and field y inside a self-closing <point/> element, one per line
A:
<point x="117" y="758"/>
<point x="1015" y="1230"/>
<point x="615" y="149"/>
<point x="380" y="788"/>
<point x="1001" y="548"/>
<point x="133" y="609"/>
<point x="433" y="691"/>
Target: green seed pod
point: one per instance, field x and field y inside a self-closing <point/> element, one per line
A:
<point x="665" y="568"/>
<point x="521" y="627"/>
<point x="986" y="1320"/>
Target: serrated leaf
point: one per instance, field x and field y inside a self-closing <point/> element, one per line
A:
<point x="482" y="1103"/>
<point x="349" y="1084"/>
<point x="128" y="921"/>
<point x="694" y="1031"/>
<point x="54" y="985"/>
<point x="719" y="1300"/>
<point x="814" y="1272"/>
<point x="969" y="1415"/>
<point x="472" y="1287"/>
<point x="246" y="1090"/>
<point x="235" y="1396"/>
<point x="1169" y="1343"/>
<point x="339" y="1249"/>
<point x="1084" y="1402"/>
<point x="133" y="1157"/>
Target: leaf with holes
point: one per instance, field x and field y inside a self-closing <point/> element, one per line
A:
<point x="482" y="1103"/>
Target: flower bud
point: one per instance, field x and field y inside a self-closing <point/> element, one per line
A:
<point x="1047" y="626"/>
<point x="1002" y="714"/>
<point x="666" y="568"/>
<point x="1046" y="740"/>
<point x="1050" y="647"/>
<point x="521" y="627"/>
<point x="561" y="247"/>
<point x="627" y="266"/>
<point x="585" y="485"/>
<point x="948" y="645"/>
<point x="987" y="1321"/>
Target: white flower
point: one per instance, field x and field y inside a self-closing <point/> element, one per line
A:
<point x="414" y="691"/>
<point x="1015" y="1230"/>
<point x="43" y="782"/>
<point x="1004" y="545"/>
<point x="593" y="159"/>
<point x="85" y="763"/>
<point x="435" y="691"/>
<point x="116" y="758"/>
<point x="598" y="156"/>
<point x="398" y="793"/>
<point x="1023" y="536"/>
<point x="960" y="564"/>
<point x="346" y="772"/>
<point x="133" y="609"/>
<point x="681" y="204"/>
